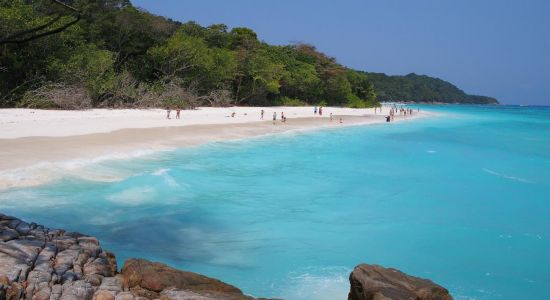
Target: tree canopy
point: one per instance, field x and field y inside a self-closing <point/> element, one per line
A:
<point x="422" y="88"/>
<point x="79" y="53"/>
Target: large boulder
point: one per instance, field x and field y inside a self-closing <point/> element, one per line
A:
<point x="373" y="282"/>
<point x="156" y="277"/>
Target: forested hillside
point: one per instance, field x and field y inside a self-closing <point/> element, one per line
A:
<point x="421" y="88"/>
<point x="108" y="53"/>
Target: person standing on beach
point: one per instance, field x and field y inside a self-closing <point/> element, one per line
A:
<point x="167" y="112"/>
<point x="262" y="115"/>
<point x="320" y="110"/>
<point x="274" y="117"/>
<point x="331" y="117"/>
<point x="178" y="112"/>
<point x="282" y="117"/>
<point x="315" y="110"/>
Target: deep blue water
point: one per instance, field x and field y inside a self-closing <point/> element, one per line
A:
<point x="462" y="199"/>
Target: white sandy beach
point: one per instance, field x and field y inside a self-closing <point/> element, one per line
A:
<point x="18" y="123"/>
<point x="37" y="146"/>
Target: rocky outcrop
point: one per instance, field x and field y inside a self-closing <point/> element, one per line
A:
<point x="152" y="277"/>
<point x="38" y="263"/>
<point x="41" y="263"/>
<point x="372" y="282"/>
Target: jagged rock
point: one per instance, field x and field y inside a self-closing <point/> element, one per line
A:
<point x="64" y="261"/>
<point x="103" y="295"/>
<point x="373" y="282"/>
<point x="14" y="291"/>
<point x="98" y="266"/>
<point x="94" y="279"/>
<point x="7" y="234"/>
<point x="69" y="276"/>
<point x="89" y="245"/>
<point x="4" y="285"/>
<point x="62" y="242"/>
<point x="112" y="284"/>
<point x="23" y="228"/>
<point x="142" y="293"/>
<point x="156" y="277"/>
<point x="112" y="262"/>
<point x="79" y="289"/>
<point x="175" y="294"/>
<point x="57" y="289"/>
<point x="43" y="294"/>
<point x="10" y="264"/>
<point x="124" y="296"/>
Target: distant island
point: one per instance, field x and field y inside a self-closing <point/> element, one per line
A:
<point x="113" y="54"/>
<point x="422" y="88"/>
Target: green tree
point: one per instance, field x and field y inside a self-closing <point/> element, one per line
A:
<point x="257" y="76"/>
<point x="180" y="56"/>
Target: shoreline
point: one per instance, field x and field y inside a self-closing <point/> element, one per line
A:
<point x="35" y="160"/>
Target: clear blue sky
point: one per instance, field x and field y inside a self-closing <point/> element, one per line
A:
<point x="497" y="48"/>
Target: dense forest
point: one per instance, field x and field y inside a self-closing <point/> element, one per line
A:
<point x="107" y="53"/>
<point x="421" y="88"/>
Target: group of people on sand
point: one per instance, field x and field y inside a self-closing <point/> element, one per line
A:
<point x="318" y="110"/>
<point x="169" y="110"/>
<point x="401" y="111"/>
<point x="283" y="117"/>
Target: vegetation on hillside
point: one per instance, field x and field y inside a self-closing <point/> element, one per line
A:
<point x="108" y="53"/>
<point x="421" y="88"/>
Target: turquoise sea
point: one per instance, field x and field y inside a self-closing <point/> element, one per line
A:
<point x="462" y="198"/>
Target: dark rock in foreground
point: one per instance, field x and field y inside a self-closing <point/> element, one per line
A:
<point x="39" y="263"/>
<point x="152" y="277"/>
<point x="372" y="282"/>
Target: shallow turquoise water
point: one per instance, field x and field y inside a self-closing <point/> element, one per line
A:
<point x="463" y="199"/>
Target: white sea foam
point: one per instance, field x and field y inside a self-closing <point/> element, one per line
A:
<point x="160" y="172"/>
<point x="106" y="218"/>
<point x="507" y="176"/>
<point x="319" y="283"/>
<point x="537" y="236"/>
<point x="169" y="180"/>
<point x="16" y="199"/>
<point x="133" y="196"/>
<point x="48" y="171"/>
